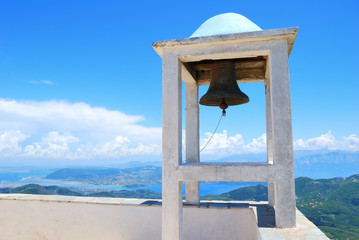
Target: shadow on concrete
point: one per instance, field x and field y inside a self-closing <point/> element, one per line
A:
<point x="265" y="214"/>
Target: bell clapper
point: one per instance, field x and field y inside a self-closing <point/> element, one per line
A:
<point x="223" y="106"/>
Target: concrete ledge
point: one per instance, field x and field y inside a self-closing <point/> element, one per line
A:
<point x="272" y="34"/>
<point x="240" y="172"/>
<point x="75" y="199"/>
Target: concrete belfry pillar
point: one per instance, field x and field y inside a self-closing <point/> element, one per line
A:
<point x="282" y="138"/>
<point x="171" y="147"/>
<point x="192" y="137"/>
<point x="268" y="51"/>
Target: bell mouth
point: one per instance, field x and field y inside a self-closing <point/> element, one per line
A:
<point x="230" y="99"/>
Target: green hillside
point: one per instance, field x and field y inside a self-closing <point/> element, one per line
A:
<point x="255" y="193"/>
<point x="331" y="204"/>
<point x="43" y="190"/>
<point x="55" y="190"/>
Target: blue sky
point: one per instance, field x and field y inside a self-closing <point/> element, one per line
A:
<point x="80" y="79"/>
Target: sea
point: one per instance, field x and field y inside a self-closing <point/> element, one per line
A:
<point x="19" y="176"/>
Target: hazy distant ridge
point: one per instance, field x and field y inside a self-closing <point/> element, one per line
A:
<point x="128" y="177"/>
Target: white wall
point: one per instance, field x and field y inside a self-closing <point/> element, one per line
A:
<point x="40" y="220"/>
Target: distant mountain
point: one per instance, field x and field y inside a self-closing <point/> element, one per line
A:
<point x="313" y="164"/>
<point x="249" y="157"/>
<point x="253" y="193"/>
<point x="128" y="177"/>
<point x="326" y="156"/>
<point x="326" y="164"/>
<point x="133" y="164"/>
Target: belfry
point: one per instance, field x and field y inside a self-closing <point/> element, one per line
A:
<point x="226" y="46"/>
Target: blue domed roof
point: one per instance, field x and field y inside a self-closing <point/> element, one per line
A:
<point x="225" y="23"/>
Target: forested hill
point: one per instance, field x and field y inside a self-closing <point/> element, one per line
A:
<point x="42" y="190"/>
<point x="55" y="190"/>
<point x="331" y="204"/>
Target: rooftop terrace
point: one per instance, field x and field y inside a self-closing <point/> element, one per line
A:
<point x="30" y="217"/>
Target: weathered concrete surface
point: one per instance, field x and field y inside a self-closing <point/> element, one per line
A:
<point x="282" y="138"/>
<point x="171" y="147"/>
<point x="30" y="217"/>
<point x="63" y="218"/>
<point x="265" y="35"/>
<point x="192" y="137"/>
<point x="305" y="230"/>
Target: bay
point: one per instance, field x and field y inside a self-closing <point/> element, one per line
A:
<point x="19" y="177"/>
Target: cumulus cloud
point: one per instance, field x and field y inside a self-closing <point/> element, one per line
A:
<point x="329" y="142"/>
<point x="64" y="130"/>
<point x="223" y="145"/>
<point x="122" y="146"/>
<point x="54" y="145"/>
<point x="80" y="119"/>
<point x="66" y="146"/>
<point x="60" y="129"/>
<point x="9" y="142"/>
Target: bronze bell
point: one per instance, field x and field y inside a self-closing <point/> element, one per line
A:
<point x="223" y="90"/>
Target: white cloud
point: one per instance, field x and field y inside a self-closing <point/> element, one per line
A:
<point x="223" y="145"/>
<point x="122" y="146"/>
<point x="59" y="129"/>
<point x="63" y="130"/>
<point x="66" y="146"/>
<point x="329" y="142"/>
<point x="54" y="145"/>
<point x="80" y="119"/>
<point x="9" y="142"/>
<point x="351" y="142"/>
